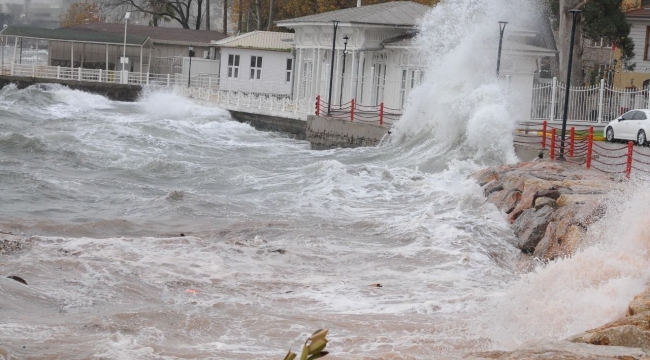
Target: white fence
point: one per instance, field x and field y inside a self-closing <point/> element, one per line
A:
<point x="596" y="104"/>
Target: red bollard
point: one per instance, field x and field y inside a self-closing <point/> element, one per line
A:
<point x="544" y="135"/>
<point x="628" y="167"/>
<point x="352" y="111"/>
<point x="318" y="105"/>
<point x="590" y="144"/>
<point x="381" y="114"/>
<point x="572" y="141"/>
<point x="552" y="154"/>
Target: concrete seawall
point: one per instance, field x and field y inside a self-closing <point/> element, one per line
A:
<point x="297" y="128"/>
<point x="116" y="92"/>
<point x="328" y="133"/>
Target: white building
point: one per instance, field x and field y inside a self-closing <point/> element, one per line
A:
<point x="381" y="63"/>
<point x="257" y="62"/>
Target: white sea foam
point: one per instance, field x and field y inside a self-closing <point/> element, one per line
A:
<point x="586" y="290"/>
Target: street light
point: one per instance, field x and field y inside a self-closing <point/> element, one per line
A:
<point x="502" y="29"/>
<point x="575" y="13"/>
<point x="329" y="98"/>
<point x="127" y="16"/>
<point x="345" y="51"/>
<point x="189" y="71"/>
<point x="2" y="70"/>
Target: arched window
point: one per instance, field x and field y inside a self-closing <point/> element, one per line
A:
<point x="646" y="84"/>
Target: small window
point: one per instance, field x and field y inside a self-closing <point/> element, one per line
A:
<point x="233" y="66"/>
<point x="640" y="115"/>
<point x="256" y="67"/>
<point x="289" y="70"/>
<point x="628" y="115"/>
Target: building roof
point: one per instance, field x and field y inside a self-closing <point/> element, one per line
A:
<point x="158" y="34"/>
<point x="264" y="40"/>
<point x="638" y="13"/>
<point x="511" y="47"/>
<point x="70" y="34"/>
<point x="396" y="13"/>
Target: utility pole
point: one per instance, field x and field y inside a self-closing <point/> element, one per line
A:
<point x="567" y="92"/>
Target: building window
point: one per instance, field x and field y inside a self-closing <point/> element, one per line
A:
<point x="256" y="67"/>
<point x="289" y="70"/>
<point x="233" y="66"/>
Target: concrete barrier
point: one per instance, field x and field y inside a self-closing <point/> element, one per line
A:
<point x="297" y="128"/>
<point x="329" y="133"/>
<point x="112" y="91"/>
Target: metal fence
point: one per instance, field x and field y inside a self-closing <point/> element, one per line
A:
<point x="594" y="104"/>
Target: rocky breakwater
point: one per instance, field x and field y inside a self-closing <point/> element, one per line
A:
<point x="549" y="204"/>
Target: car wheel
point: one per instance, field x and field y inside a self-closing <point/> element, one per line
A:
<point x="609" y="134"/>
<point x="640" y="138"/>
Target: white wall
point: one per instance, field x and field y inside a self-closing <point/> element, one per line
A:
<point x="201" y="67"/>
<point x="273" y="80"/>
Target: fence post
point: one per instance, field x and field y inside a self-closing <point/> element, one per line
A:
<point x="590" y="144"/>
<point x="601" y="99"/>
<point x="381" y="114"/>
<point x="553" y="98"/>
<point x="147" y="78"/>
<point x="544" y="124"/>
<point x="58" y="72"/>
<point x="79" y="74"/>
<point x="100" y="75"/>
<point x="352" y="110"/>
<point x="317" y="105"/>
<point x="552" y="154"/>
<point x="12" y="69"/>
<point x="33" y="70"/>
<point x="572" y="141"/>
<point x="628" y="167"/>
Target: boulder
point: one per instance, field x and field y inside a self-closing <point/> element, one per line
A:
<point x="485" y="176"/>
<point x="505" y="200"/>
<point x="540" y="202"/>
<point x="491" y="187"/>
<point x="563" y="350"/>
<point x="640" y="304"/>
<point x="625" y="335"/>
<point x="530" y="227"/>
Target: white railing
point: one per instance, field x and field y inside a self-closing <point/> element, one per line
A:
<point x="597" y="104"/>
<point x="254" y="102"/>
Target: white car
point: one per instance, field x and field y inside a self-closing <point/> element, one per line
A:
<point x="633" y="125"/>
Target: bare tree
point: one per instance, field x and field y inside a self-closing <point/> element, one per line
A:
<point x="225" y="17"/>
<point x="207" y="15"/>
<point x="241" y="10"/>
<point x="258" y="10"/>
<point x="188" y="13"/>
<point x="268" y="27"/>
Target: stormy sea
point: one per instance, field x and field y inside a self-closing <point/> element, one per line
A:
<point x="161" y="229"/>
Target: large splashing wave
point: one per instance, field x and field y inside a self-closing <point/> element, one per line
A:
<point x="461" y="105"/>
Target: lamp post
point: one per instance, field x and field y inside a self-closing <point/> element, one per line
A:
<point x="2" y="69"/>
<point x="127" y="16"/>
<point x="329" y="98"/>
<point x="575" y="13"/>
<point x="189" y="70"/>
<point x="345" y="51"/>
<point x="502" y="29"/>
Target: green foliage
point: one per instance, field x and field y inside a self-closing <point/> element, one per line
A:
<point x="313" y="347"/>
<point x="605" y="19"/>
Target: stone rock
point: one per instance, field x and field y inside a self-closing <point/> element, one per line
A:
<point x="540" y="202"/>
<point x="625" y="335"/>
<point x="491" y="187"/>
<point x="563" y="350"/>
<point x="505" y="200"/>
<point x="485" y="176"/>
<point x="551" y="193"/>
<point x="566" y="199"/>
<point x="530" y="227"/>
<point x="640" y="304"/>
